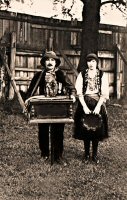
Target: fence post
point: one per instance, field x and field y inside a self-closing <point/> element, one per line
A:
<point x="12" y="62"/>
<point x="4" y="63"/>
<point x="118" y="84"/>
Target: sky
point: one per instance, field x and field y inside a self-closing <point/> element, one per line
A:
<point x="45" y="8"/>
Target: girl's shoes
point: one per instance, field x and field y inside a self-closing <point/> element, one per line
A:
<point x="95" y="159"/>
<point x="87" y="159"/>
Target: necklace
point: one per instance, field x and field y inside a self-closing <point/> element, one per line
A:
<point x="92" y="80"/>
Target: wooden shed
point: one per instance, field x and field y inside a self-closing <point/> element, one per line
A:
<point x="26" y="37"/>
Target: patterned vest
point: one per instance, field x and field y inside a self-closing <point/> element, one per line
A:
<point x="98" y="79"/>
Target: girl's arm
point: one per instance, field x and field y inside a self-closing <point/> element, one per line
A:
<point x="104" y="93"/>
<point x="79" y="89"/>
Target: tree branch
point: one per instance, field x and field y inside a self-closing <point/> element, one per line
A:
<point x="121" y="10"/>
<point x="114" y="2"/>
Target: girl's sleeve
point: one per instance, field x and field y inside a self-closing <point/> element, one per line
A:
<point x="105" y="86"/>
<point x="79" y="84"/>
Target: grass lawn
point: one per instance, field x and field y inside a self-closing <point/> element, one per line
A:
<point x="24" y="176"/>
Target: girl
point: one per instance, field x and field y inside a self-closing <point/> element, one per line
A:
<point x="93" y="90"/>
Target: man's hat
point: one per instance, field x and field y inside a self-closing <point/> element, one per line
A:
<point x="50" y="54"/>
<point x="92" y="56"/>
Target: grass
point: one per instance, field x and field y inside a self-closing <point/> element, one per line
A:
<point x="24" y="176"/>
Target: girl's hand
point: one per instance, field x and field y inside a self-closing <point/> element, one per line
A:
<point x="86" y="110"/>
<point x="97" y="110"/>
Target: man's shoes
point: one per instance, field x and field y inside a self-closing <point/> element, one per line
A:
<point x="44" y="157"/>
<point x="60" y="161"/>
<point x="95" y="159"/>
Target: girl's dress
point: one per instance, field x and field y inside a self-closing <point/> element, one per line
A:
<point x="91" y="88"/>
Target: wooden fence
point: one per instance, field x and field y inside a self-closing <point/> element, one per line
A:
<point x="26" y="37"/>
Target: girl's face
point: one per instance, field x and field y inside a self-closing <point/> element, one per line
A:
<point x="92" y="64"/>
<point x="50" y="64"/>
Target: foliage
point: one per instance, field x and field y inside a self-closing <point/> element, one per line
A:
<point x="119" y="4"/>
<point x="65" y="8"/>
<point x="4" y="3"/>
<point x="66" y="11"/>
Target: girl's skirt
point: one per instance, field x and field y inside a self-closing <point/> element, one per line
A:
<point x="82" y="132"/>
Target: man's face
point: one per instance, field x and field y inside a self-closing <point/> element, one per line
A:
<point x="92" y="64"/>
<point x="50" y="64"/>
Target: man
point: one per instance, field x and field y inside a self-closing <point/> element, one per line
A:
<point x="50" y="82"/>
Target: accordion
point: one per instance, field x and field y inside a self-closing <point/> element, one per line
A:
<point x="43" y="109"/>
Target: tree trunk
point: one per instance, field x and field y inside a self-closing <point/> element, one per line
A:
<point x="90" y="27"/>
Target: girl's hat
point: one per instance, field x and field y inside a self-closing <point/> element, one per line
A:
<point x="92" y="56"/>
<point x="50" y="54"/>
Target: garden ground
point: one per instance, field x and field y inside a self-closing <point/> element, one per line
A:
<point x="24" y="175"/>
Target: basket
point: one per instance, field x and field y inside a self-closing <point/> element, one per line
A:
<point x="92" y="122"/>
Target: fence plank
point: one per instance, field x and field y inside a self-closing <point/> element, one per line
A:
<point x="12" y="63"/>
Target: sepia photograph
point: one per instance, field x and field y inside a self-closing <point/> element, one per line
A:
<point x="63" y="99"/>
